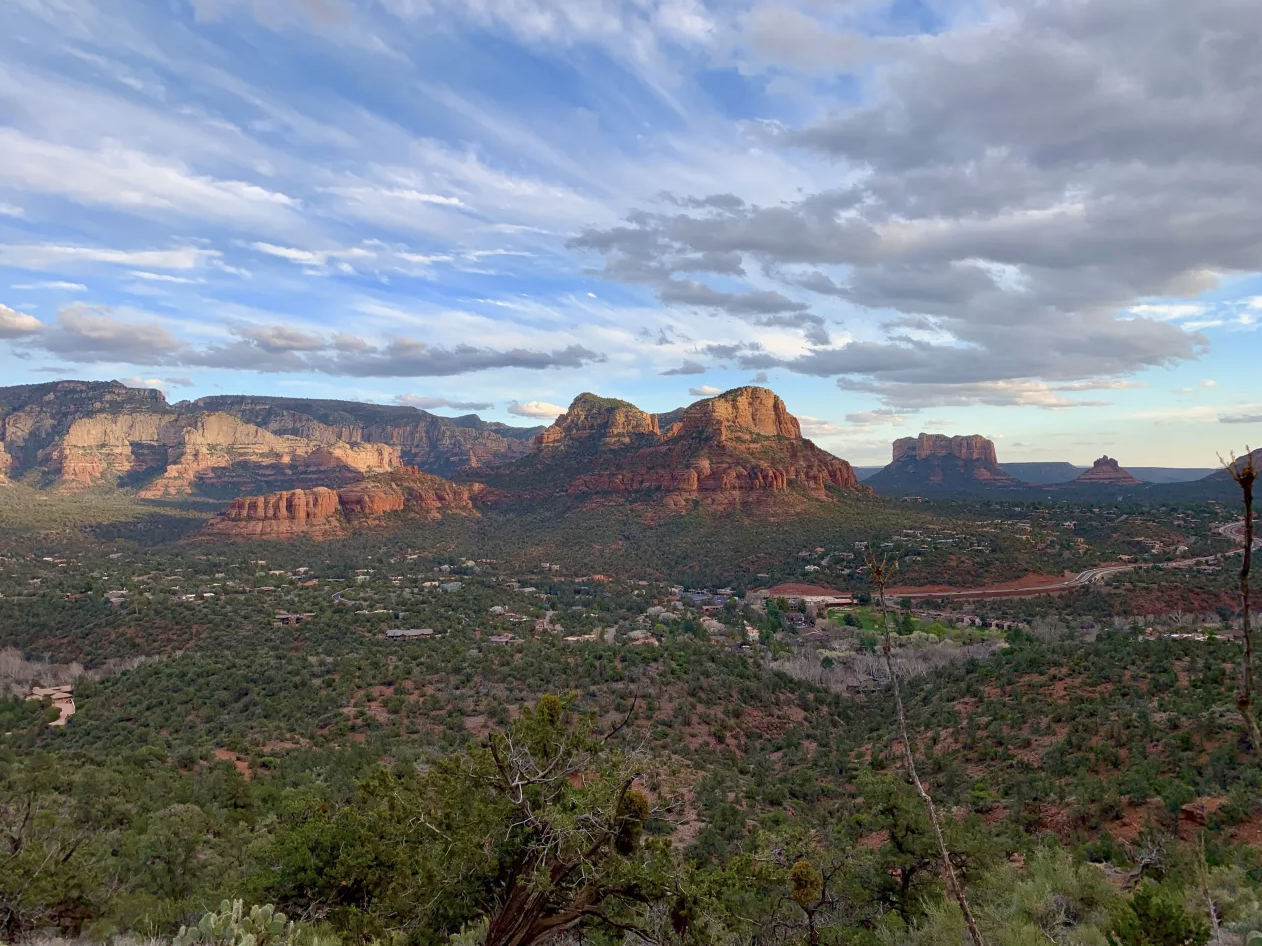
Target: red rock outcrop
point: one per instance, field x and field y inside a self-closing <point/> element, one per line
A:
<point x="724" y="451"/>
<point x="312" y="512"/>
<point x="597" y="422"/>
<point x="740" y="416"/>
<point x="1106" y="472"/>
<point x="323" y="513"/>
<point x="938" y="463"/>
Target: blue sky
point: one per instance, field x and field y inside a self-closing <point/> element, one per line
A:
<point x="1032" y="220"/>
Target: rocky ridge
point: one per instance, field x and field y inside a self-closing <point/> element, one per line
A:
<point x="938" y="463"/>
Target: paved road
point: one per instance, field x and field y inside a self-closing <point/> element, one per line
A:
<point x="1233" y="530"/>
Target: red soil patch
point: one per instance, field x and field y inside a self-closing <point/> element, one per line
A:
<point x="227" y="755"/>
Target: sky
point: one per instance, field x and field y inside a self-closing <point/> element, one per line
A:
<point x="1037" y="221"/>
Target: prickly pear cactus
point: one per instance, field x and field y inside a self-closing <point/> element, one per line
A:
<point x="232" y="926"/>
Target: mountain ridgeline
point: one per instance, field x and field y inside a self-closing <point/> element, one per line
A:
<point x="72" y="435"/>
<point x="320" y="467"/>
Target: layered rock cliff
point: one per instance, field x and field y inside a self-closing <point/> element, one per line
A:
<point x="220" y="452"/>
<point x="741" y="446"/>
<point x="936" y="463"/>
<point x="594" y="422"/>
<point x="1107" y="472"/>
<point x="438" y="445"/>
<point x="323" y="513"/>
<point x="71" y="435"/>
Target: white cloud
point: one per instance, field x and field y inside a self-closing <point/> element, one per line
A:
<point x="162" y="277"/>
<point x="161" y="384"/>
<point x="121" y="177"/>
<point x="818" y="427"/>
<point x="1167" y="311"/>
<point x="873" y="418"/>
<point x="51" y="256"/>
<point x="17" y="324"/>
<point x="705" y="390"/>
<point x="1209" y="383"/>
<point x="52" y="284"/>
<point x="541" y="409"/>
<point x="432" y="403"/>
<point x="11" y="210"/>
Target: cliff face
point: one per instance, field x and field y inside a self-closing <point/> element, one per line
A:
<point x="219" y="452"/>
<point x="937" y="463"/>
<point x="593" y="423"/>
<point x="974" y="447"/>
<point x="1106" y="472"/>
<point x="438" y="445"/>
<point x="725" y="451"/>
<point x="323" y="513"/>
<point x="70" y="435"/>
<point x="45" y="428"/>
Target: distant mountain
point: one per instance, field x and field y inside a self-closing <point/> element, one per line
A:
<point x="1044" y="474"/>
<point x="936" y="463"/>
<point x="863" y="472"/>
<point x="70" y="435"/>
<point x="1168" y="474"/>
<point x="741" y="446"/>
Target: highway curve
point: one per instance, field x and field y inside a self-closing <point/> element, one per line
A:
<point x="1234" y="530"/>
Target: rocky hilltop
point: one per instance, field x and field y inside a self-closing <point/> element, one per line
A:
<point x="323" y="513"/>
<point x="70" y="435"/>
<point x="741" y="446"/>
<point x="935" y="463"/>
<point x="1106" y="472"/>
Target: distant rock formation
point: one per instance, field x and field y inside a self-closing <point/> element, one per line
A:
<point x="70" y="435"/>
<point x="1106" y="472"/>
<point x="938" y="463"/>
<point x="723" y="451"/>
<point x="322" y="513"/>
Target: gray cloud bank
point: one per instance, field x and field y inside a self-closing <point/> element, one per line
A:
<point x="1011" y="188"/>
<point x="93" y="334"/>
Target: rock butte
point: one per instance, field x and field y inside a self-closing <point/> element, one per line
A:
<point x="1106" y="472"/>
<point x="938" y="462"/>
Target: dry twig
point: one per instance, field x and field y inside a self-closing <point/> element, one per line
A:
<point x="880" y="569"/>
